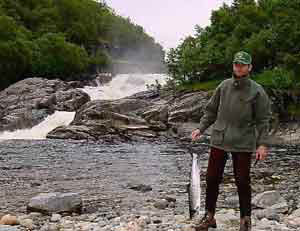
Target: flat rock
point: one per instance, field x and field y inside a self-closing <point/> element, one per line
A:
<point x="268" y="199"/>
<point x="49" y="203"/>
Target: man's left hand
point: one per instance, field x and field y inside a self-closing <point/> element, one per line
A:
<point x="261" y="152"/>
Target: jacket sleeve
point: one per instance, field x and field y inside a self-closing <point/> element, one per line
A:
<point x="262" y="117"/>
<point x="211" y="110"/>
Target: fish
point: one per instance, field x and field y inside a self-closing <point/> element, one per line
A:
<point x="194" y="189"/>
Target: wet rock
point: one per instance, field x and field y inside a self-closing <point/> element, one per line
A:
<point x="70" y="100"/>
<point x="28" y="102"/>
<point x="100" y="118"/>
<point x="55" y="203"/>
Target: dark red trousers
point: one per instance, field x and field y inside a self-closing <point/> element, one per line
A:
<point x="215" y="170"/>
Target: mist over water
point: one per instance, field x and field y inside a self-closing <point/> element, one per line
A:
<point x="120" y="86"/>
<point x="125" y="85"/>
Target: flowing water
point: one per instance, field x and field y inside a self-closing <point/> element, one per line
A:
<point x="121" y="86"/>
<point x="125" y="85"/>
<point x="102" y="174"/>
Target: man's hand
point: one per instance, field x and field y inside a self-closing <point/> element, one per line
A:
<point x="261" y="152"/>
<point x="196" y="134"/>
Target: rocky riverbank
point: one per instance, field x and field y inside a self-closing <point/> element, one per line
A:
<point x="129" y="162"/>
<point x="149" y="114"/>
<point x="137" y="186"/>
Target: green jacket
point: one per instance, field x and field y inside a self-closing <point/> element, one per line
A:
<point x="240" y="112"/>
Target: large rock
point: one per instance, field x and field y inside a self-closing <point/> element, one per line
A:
<point x="49" y="203"/>
<point x="145" y="114"/>
<point x="188" y="107"/>
<point x="268" y="199"/>
<point x="105" y="119"/>
<point x="157" y="113"/>
<point x="293" y="219"/>
<point x="27" y="102"/>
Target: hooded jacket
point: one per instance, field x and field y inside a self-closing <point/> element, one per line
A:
<point x="240" y="113"/>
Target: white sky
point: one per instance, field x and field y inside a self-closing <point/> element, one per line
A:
<point x="168" y="21"/>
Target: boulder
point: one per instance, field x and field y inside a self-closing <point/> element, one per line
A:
<point x="105" y="119"/>
<point x="49" y="203"/>
<point x="28" y="102"/>
<point x="268" y="199"/>
<point x="188" y="107"/>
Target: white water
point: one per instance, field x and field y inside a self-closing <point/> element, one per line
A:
<point x="121" y="86"/>
<point x="40" y="131"/>
<point x="124" y="85"/>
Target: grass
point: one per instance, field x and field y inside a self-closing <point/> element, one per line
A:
<point x="293" y="109"/>
<point x="264" y="80"/>
<point x="204" y="86"/>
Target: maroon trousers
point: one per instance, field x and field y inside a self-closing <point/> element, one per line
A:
<point x="215" y="170"/>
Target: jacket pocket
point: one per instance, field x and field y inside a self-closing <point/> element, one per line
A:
<point x="218" y="134"/>
<point x="249" y="99"/>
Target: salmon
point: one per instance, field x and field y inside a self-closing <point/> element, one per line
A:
<point x="194" y="189"/>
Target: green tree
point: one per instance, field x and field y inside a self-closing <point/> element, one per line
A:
<point x="55" y="57"/>
<point x="268" y="29"/>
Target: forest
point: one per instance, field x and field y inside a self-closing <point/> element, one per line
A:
<point x="268" y="29"/>
<point x="67" y="38"/>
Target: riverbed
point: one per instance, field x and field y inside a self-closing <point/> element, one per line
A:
<point x="127" y="178"/>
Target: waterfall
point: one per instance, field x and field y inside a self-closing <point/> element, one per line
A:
<point x="124" y="85"/>
<point x="40" y="131"/>
<point x="120" y="86"/>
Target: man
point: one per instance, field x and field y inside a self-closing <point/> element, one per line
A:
<point x="240" y="112"/>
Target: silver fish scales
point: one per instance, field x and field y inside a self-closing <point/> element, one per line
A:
<point x="194" y="189"/>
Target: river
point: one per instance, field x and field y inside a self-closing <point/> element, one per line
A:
<point x="106" y="176"/>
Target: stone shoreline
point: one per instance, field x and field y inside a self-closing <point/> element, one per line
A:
<point x="134" y="203"/>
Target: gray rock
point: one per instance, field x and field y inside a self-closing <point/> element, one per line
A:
<point x="28" y="102"/>
<point x="280" y="207"/>
<point x="269" y="214"/>
<point x="156" y="113"/>
<point x="161" y="204"/>
<point x="70" y="100"/>
<point x="232" y="202"/>
<point x="9" y="228"/>
<point x="268" y="199"/>
<point x="100" y="119"/>
<point x="55" y="217"/>
<point x="188" y="107"/>
<point x="296" y="213"/>
<point x="140" y="187"/>
<point x="27" y="223"/>
<point x="55" y="203"/>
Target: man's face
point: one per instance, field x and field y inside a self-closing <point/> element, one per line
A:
<point x="241" y="69"/>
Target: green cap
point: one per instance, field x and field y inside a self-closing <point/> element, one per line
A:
<point x="242" y="57"/>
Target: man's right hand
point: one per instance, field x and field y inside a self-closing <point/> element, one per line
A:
<point x="196" y="134"/>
